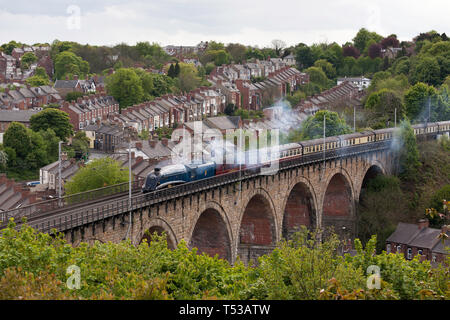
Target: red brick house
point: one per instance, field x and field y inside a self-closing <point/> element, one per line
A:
<point x="419" y="239"/>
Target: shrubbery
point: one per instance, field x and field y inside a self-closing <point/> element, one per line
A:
<point x="33" y="266"/>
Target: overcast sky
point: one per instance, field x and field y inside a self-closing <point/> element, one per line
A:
<point x="187" y="22"/>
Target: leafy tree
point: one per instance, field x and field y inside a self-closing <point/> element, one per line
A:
<point x="51" y="144"/>
<point x="28" y="59"/>
<point x="126" y="87"/>
<point x="209" y="67"/>
<point x="16" y="137"/>
<point x="326" y="67"/>
<point x="74" y="95"/>
<point x="383" y="104"/>
<point x="426" y="70"/>
<point x="36" y="81"/>
<point x="390" y="41"/>
<point x="177" y="70"/>
<point x="375" y="51"/>
<point x="363" y="37"/>
<point x="97" y="174"/>
<point x="317" y="76"/>
<point x="54" y="119"/>
<point x="417" y="99"/>
<point x="351" y="51"/>
<point x="188" y="78"/>
<point x="80" y="144"/>
<point x="171" y="71"/>
<point x="9" y="47"/>
<point x="254" y="53"/>
<point x="237" y="52"/>
<point x="162" y="84"/>
<point x="405" y="145"/>
<point x="303" y="56"/>
<point x="220" y="57"/>
<point x="313" y="127"/>
<point x="68" y="63"/>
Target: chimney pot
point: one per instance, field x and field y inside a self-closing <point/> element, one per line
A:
<point x="423" y="223"/>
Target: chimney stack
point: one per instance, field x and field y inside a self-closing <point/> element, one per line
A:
<point x="75" y="77"/>
<point x="152" y="143"/>
<point x="165" y="141"/>
<point x="423" y="223"/>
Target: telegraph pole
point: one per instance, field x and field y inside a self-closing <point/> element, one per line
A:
<point x="354" y="118"/>
<point x="395" y="118"/>
<point x="129" y="187"/>
<point x="59" y="172"/>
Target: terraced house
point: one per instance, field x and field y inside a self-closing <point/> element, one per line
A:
<point x="90" y="109"/>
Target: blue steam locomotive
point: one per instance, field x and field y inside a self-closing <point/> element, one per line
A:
<point x="168" y="176"/>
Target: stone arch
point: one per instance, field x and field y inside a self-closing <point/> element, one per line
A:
<point x="258" y="226"/>
<point x="299" y="207"/>
<point x="211" y="233"/>
<point x="159" y="226"/>
<point x="338" y="205"/>
<point x="370" y="172"/>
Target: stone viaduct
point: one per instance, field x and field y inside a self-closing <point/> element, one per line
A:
<point x="248" y="217"/>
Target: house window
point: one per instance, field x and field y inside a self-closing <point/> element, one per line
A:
<point x="409" y="255"/>
<point x="433" y="258"/>
<point x="420" y="252"/>
<point x="399" y="248"/>
<point x="388" y="248"/>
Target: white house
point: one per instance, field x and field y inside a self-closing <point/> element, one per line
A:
<point x="361" y="82"/>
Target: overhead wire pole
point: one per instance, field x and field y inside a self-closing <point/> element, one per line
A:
<point x="354" y="118"/>
<point x="395" y="118"/>
<point x="59" y="173"/>
<point x="129" y="187"/>
<point x="324" y="136"/>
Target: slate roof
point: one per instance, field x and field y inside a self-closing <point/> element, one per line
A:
<point x="65" y="84"/>
<point x="19" y="116"/>
<point x="404" y="233"/>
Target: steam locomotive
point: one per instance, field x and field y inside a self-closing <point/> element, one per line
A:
<point x="170" y="175"/>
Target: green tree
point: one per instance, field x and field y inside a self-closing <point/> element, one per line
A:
<point x="313" y="127"/>
<point x="16" y="137"/>
<point x="317" y="76"/>
<point x="68" y="63"/>
<point x="362" y="38"/>
<point x="36" y="81"/>
<point x="383" y="104"/>
<point x="417" y="99"/>
<point x="177" y="70"/>
<point x="303" y="56"/>
<point x="126" y="87"/>
<point x="28" y="59"/>
<point x="188" y="78"/>
<point x="80" y="144"/>
<point x="327" y="67"/>
<point x="237" y="52"/>
<point x="9" y="47"/>
<point x="427" y="70"/>
<point x="97" y="174"/>
<point x="54" y="119"/>
<point x="405" y="145"/>
<point x="73" y="96"/>
<point x="171" y="71"/>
